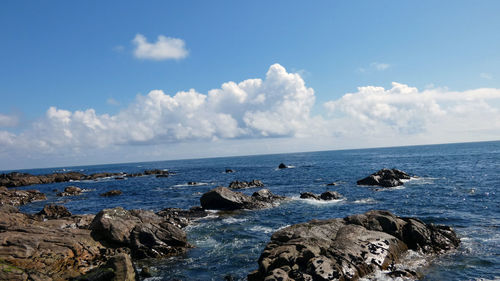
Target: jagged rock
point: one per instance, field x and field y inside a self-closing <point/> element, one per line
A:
<point x="349" y="248"/>
<point x="282" y="166"/>
<point x="385" y="178"/>
<point x="52" y="211"/>
<point x="309" y="195"/>
<point x="222" y="198"/>
<point x="19" y="197"/>
<point x="113" y="192"/>
<point x="118" y="268"/>
<point x="70" y="191"/>
<point x="182" y="218"/>
<point x="246" y="184"/>
<point x="145" y="233"/>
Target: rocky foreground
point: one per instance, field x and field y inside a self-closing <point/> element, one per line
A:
<point x="349" y="248"/>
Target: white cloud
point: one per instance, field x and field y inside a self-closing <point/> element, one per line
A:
<point x="163" y="49"/>
<point x="380" y="66"/>
<point x="8" y="120"/>
<point x="486" y="75"/>
<point x="260" y="114"/>
<point x="112" y="101"/>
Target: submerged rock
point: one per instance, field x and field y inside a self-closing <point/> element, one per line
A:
<point x="385" y="178"/>
<point x="246" y="184"/>
<point x="349" y="248"/>
<point x="222" y="198"/>
<point x="113" y="192"/>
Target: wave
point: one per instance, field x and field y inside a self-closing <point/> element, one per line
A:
<point x="261" y="229"/>
<point x="319" y="202"/>
<point x="365" y="201"/>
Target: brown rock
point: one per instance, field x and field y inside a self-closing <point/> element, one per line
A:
<point x="52" y="211"/>
<point x="113" y="192"/>
<point x="19" y="197"/>
<point x="70" y="191"/>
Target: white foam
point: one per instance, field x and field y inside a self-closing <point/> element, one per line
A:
<point x="185" y="184"/>
<point x="261" y="229"/>
<point x="319" y="202"/>
<point x="365" y="201"/>
<point x="233" y="220"/>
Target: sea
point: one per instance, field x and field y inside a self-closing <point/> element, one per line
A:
<point x="453" y="184"/>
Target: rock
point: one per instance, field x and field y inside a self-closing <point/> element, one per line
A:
<point x="113" y="192"/>
<point x="282" y="166"/>
<point x="97" y="176"/>
<point x="70" y="191"/>
<point x="228" y="171"/>
<point x="45" y="250"/>
<point x="222" y="198"/>
<point x="349" y="248"/>
<point x="145" y="272"/>
<point x="16" y="179"/>
<point x="385" y="178"/>
<point x="182" y="218"/>
<point x="309" y="195"/>
<point x="325" y="196"/>
<point x="52" y="211"/>
<point x="156" y="172"/>
<point x="330" y="195"/>
<point x="192" y="183"/>
<point x="19" y="197"/>
<point x="118" y="268"/>
<point x="332" y="184"/>
<point x="162" y="176"/>
<point x="145" y="233"/>
<point x="246" y="184"/>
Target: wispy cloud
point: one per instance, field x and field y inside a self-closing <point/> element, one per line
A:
<point x="486" y="75"/>
<point x="163" y="49"/>
<point x="8" y="120"/>
<point x="112" y="101"/>
<point x="379" y="66"/>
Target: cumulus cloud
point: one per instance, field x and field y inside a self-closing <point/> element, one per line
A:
<point x="163" y="49"/>
<point x="8" y="120"/>
<point x="406" y="110"/>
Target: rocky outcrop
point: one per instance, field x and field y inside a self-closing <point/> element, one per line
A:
<point x="117" y="268"/>
<point x="70" y="191"/>
<point x="52" y="211"/>
<point x="16" y="179"/>
<point x="222" y="198"/>
<point x="349" y="248"/>
<point x="385" y="178"/>
<point x="19" y="197"/>
<point x="246" y="184"/>
<point x="325" y="196"/>
<point x="114" y="192"/>
<point x="182" y="218"/>
<point x="144" y="232"/>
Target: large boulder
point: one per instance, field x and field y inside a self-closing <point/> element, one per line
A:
<point x="222" y="198"/>
<point x="325" y="196"/>
<point x="282" y="166"/>
<point x="144" y="232"/>
<point x="52" y="211"/>
<point x="349" y="248"/>
<point x="246" y="184"/>
<point x="385" y="178"/>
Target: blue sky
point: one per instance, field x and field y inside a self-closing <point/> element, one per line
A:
<point x="79" y="56"/>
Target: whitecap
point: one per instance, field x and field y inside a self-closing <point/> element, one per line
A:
<point x="365" y="201"/>
<point x="319" y="202"/>
<point x="261" y="229"/>
<point x="233" y="220"/>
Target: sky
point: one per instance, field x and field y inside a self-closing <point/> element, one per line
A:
<point x="93" y="82"/>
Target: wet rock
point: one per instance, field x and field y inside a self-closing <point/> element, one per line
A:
<point x="19" y="197"/>
<point x="349" y="248"/>
<point x="145" y="233"/>
<point x="385" y="178"/>
<point x="282" y="166"/>
<point x="192" y="183"/>
<point x="118" y="268"/>
<point x="52" y="211"/>
<point x="228" y="171"/>
<point x="246" y="184"/>
<point x="70" y="191"/>
<point x="162" y="176"/>
<point x="182" y="218"/>
<point x="222" y="198"/>
<point x="97" y="176"/>
<point x="325" y="196"/>
<point x="16" y="179"/>
<point x="113" y="192"/>
<point x="332" y="184"/>
<point x="156" y="172"/>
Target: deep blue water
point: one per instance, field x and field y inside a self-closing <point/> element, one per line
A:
<point x="457" y="186"/>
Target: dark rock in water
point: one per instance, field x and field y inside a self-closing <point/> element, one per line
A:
<point x="349" y="248"/>
<point x="155" y="172"/>
<point x="182" y="218"/>
<point x="192" y="183"/>
<point x="162" y="176"/>
<point x="19" y="197"/>
<point x="246" y="184"/>
<point x="330" y="195"/>
<point x="309" y="195"/>
<point x="113" y="192"/>
<point x="145" y="233"/>
<point x="52" y="211"/>
<point x="282" y="166"/>
<point x="325" y="196"/>
<point x="118" y="268"/>
<point x="222" y="198"/>
<point x="70" y="191"/>
<point x="145" y="272"/>
<point x="385" y="178"/>
<point x="119" y="178"/>
<point x="332" y="184"/>
<point x="228" y="171"/>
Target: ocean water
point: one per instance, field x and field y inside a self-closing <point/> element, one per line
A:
<point x="457" y="185"/>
